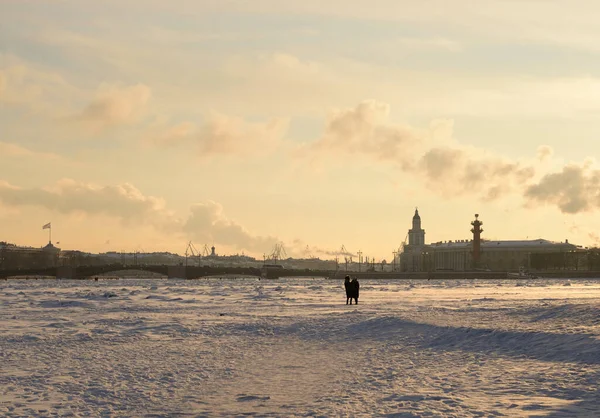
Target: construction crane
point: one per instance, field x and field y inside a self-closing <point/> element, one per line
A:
<point x="397" y="253"/>
<point x="402" y="245"/>
<point x="191" y="251"/>
<point x="278" y="252"/>
<point x="347" y="256"/>
<point x="206" y="251"/>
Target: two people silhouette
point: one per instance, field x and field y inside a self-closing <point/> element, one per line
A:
<point x="352" y="289"/>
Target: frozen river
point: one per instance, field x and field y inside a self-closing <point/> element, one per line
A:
<point x="292" y="347"/>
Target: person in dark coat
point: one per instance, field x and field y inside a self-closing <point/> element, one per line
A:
<point x="348" y="288"/>
<point x="355" y="286"/>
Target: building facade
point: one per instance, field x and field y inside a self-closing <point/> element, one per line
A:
<point x="16" y="257"/>
<point x="458" y="255"/>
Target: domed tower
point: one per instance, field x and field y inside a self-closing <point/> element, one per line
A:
<point x="416" y="236"/>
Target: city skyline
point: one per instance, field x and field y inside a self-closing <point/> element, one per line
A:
<point x="243" y="125"/>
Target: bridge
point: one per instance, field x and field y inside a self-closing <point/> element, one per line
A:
<point x="197" y="272"/>
<point x="170" y="271"/>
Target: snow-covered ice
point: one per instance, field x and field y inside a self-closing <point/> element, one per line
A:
<point x="136" y="347"/>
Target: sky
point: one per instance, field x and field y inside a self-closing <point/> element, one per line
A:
<point x="142" y="125"/>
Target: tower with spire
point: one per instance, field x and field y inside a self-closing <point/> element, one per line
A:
<point x="416" y="235"/>
<point x="411" y="258"/>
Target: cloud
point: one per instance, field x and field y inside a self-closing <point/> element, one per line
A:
<point x="283" y="61"/>
<point x="298" y="248"/>
<point x="339" y="253"/>
<point x="516" y="21"/>
<point x="431" y="155"/>
<point x="519" y="21"/>
<point x="226" y="135"/>
<point x="437" y="163"/>
<point x="575" y="189"/>
<point x="274" y="67"/>
<point x="115" y="106"/>
<point x="471" y="171"/>
<point x="363" y="130"/>
<point x="175" y="135"/>
<point x="25" y="84"/>
<point x="544" y="152"/>
<point x="13" y="150"/>
<point x="68" y="196"/>
<point x="208" y="223"/>
<point x="280" y="83"/>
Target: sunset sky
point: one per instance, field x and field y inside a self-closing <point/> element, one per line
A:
<point x="144" y="124"/>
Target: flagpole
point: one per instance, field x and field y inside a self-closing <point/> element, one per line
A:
<point x="50" y="234"/>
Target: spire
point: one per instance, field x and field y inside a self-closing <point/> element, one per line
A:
<point x="416" y="214"/>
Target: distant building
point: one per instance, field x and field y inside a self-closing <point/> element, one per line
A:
<point x="495" y="255"/>
<point x="411" y="258"/>
<point x="15" y="257"/>
<point x="458" y="255"/>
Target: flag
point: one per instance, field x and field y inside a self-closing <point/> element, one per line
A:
<point x="47" y="226"/>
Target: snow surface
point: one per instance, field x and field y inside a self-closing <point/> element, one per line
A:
<point x="136" y="347"/>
